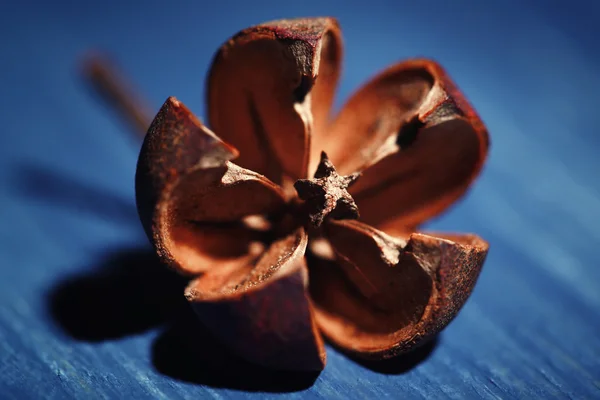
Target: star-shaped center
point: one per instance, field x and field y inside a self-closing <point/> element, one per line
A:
<point x="326" y="194"/>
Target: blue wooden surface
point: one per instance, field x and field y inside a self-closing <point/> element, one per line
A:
<point x="85" y="312"/>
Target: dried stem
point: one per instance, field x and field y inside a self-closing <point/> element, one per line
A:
<point x="105" y="79"/>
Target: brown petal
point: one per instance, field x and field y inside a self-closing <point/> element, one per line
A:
<point x="263" y="311"/>
<point x="263" y="92"/>
<point x="190" y="197"/>
<point x="385" y="295"/>
<point x="417" y="140"/>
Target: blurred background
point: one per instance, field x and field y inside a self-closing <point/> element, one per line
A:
<point x="86" y="312"/>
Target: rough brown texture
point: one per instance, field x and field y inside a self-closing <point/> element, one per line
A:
<point x="326" y="194"/>
<point x="240" y="223"/>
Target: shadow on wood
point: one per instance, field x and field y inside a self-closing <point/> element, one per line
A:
<point x="38" y="183"/>
<point x="188" y="352"/>
<point x="129" y="292"/>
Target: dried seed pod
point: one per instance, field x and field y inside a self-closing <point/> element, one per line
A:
<point x="377" y="287"/>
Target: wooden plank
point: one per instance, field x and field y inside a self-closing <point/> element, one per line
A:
<point x="86" y="312"/>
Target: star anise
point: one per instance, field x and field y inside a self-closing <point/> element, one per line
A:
<point x="276" y="258"/>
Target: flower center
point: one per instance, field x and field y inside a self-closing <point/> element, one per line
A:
<point x="326" y="194"/>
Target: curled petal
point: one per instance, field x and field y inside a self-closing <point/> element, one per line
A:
<point x="384" y="295"/>
<point x="417" y="141"/>
<point x="267" y="85"/>
<point x="191" y="198"/>
<point x="262" y="311"/>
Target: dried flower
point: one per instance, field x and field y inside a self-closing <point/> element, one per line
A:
<point x="276" y="258"/>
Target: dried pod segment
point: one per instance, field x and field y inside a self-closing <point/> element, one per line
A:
<point x="267" y="76"/>
<point x="191" y="198"/>
<point x="265" y="314"/>
<point x="385" y="294"/>
<point x="253" y="228"/>
<point x="420" y="148"/>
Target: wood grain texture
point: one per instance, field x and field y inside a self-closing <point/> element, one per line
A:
<point x="86" y="312"/>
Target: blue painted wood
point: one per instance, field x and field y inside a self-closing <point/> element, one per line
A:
<point x="85" y="312"/>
